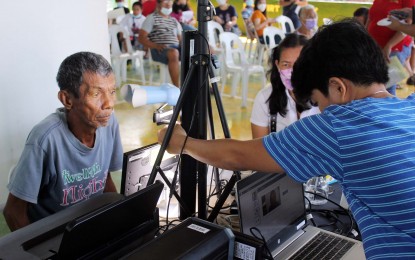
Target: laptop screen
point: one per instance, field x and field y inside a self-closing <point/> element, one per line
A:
<point x="137" y="166"/>
<point x="273" y="203"/>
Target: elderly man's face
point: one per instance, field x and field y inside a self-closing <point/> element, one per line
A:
<point x="96" y="101"/>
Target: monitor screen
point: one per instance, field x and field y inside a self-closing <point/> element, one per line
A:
<point x="137" y="166"/>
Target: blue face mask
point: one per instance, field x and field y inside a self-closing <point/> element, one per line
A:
<point x="249" y="2"/>
<point x="136" y="16"/>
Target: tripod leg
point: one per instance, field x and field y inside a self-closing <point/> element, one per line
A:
<point x="236" y="175"/>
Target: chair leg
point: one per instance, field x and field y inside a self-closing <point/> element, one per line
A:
<point x="245" y="78"/>
<point x="235" y="81"/>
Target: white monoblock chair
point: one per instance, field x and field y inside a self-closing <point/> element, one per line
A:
<point x="236" y="63"/>
<point x="119" y="59"/>
<point x="272" y="36"/>
<point x="163" y="69"/>
<point x="285" y="23"/>
<point x="214" y="30"/>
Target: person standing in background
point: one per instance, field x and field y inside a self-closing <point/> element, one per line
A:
<point x="393" y="43"/>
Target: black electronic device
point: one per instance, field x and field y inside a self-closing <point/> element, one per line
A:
<point x="192" y="239"/>
<point x="107" y="229"/>
<point x="400" y="15"/>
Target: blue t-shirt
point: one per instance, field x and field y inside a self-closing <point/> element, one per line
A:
<point x="56" y="170"/>
<point x="369" y="147"/>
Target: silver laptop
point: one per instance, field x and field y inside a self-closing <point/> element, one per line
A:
<point x="274" y="204"/>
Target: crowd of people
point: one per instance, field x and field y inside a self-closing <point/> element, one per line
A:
<point x="326" y="110"/>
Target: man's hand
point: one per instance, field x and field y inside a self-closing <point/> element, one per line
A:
<point x="395" y="23"/>
<point x="176" y="141"/>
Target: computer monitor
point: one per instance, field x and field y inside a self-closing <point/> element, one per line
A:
<point x="137" y="166"/>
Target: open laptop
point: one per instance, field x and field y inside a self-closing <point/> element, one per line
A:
<point x="108" y="224"/>
<point x="133" y="219"/>
<point x="274" y="204"/>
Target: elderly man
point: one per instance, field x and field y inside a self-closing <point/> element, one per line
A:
<point x="68" y="156"/>
<point x="162" y="34"/>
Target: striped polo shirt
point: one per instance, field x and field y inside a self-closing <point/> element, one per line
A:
<point x="368" y="145"/>
<point x="162" y="30"/>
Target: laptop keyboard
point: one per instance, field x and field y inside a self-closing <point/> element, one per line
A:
<point x="324" y="246"/>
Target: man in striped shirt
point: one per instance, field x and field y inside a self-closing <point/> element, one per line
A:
<point x="364" y="137"/>
<point x="162" y="34"/>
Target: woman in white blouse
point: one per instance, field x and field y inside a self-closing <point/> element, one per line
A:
<point x="275" y="107"/>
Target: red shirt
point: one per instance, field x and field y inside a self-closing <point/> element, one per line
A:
<point x="149" y="6"/>
<point x="379" y="10"/>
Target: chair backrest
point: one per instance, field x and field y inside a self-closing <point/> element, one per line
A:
<point x="273" y="36"/>
<point x="114" y="30"/>
<point x="234" y="49"/>
<point x="214" y="31"/>
<point x="286" y="24"/>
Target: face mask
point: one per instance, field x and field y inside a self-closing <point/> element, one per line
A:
<point x="137" y="16"/>
<point x="310" y="23"/>
<point x="120" y="4"/>
<point x="166" y="11"/>
<point x="249" y="2"/>
<point x="221" y="2"/>
<point x="285" y="75"/>
<point x="262" y="7"/>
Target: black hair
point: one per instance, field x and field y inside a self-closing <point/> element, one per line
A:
<point x="138" y="3"/>
<point x="342" y="49"/>
<point x="71" y="71"/>
<point x="362" y="11"/>
<point x="278" y="99"/>
<point x="178" y="7"/>
<point x="256" y="8"/>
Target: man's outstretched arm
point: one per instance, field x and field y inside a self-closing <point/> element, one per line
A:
<point x="227" y="154"/>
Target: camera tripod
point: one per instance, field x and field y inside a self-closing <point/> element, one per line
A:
<point x="196" y="106"/>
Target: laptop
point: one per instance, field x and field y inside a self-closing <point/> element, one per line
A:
<point x="274" y="204"/>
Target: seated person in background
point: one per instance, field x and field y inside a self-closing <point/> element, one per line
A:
<point x="149" y="6"/>
<point x="248" y="10"/>
<point x="364" y="137"/>
<point x="180" y="6"/>
<point x="133" y="22"/>
<point x="162" y="34"/>
<point x="227" y="17"/>
<point x="278" y="100"/>
<point x="120" y="4"/>
<point x="260" y="20"/>
<point x="308" y="18"/>
<point x="69" y="155"/>
<point x="246" y="15"/>
<point x="289" y="9"/>
<point x="361" y="14"/>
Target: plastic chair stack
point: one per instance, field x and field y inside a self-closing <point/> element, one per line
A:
<point x="236" y="62"/>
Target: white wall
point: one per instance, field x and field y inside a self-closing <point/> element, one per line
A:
<point x="35" y="37"/>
